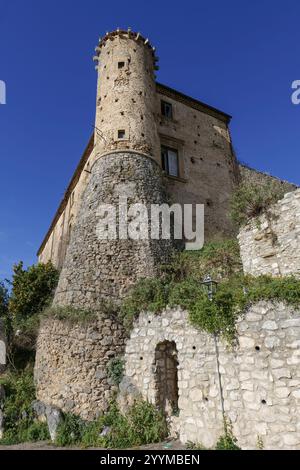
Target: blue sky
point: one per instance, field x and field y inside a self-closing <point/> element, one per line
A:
<point x="238" y="56"/>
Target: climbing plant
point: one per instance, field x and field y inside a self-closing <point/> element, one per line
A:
<point x="251" y="199"/>
<point x="235" y="293"/>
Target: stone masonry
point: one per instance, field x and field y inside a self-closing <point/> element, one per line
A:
<point x="193" y="377"/>
<point x="71" y="364"/>
<point x="270" y="244"/>
<point x="96" y="268"/>
<point x="126" y="165"/>
<point x="260" y="378"/>
<point x="129" y="117"/>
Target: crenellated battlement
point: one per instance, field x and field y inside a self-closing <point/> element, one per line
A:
<point x="124" y="34"/>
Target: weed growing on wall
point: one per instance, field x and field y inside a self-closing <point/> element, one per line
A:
<point x="251" y="199"/>
<point x="227" y="442"/>
<point x="149" y="294"/>
<point x="234" y="295"/>
<point x="69" y="313"/>
<point x="220" y="258"/>
<point x="115" y="369"/>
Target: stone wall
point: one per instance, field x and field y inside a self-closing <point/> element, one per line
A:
<point x="129" y="99"/>
<point x="71" y="364"/>
<point x="260" y="379"/>
<point x="57" y="238"/>
<point x="208" y="171"/>
<point x="204" y="146"/>
<point x="261" y="178"/>
<point x="97" y="269"/>
<point x="126" y="93"/>
<point x="270" y="245"/>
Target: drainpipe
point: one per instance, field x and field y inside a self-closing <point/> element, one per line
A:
<point x="220" y="380"/>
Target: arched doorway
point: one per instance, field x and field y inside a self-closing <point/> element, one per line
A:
<point x="166" y="377"/>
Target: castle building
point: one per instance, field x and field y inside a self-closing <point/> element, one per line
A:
<point x="157" y="145"/>
<point x="186" y="140"/>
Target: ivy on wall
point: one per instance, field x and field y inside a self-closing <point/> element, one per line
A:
<point x="235" y="293"/>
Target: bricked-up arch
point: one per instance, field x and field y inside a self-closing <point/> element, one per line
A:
<point x="166" y="377"/>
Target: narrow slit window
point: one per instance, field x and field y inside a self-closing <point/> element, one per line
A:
<point x="121" y="134"/>
<point x="167" y="109"/>
<point x="72" y="198"/>
<point x="169" y="159"/>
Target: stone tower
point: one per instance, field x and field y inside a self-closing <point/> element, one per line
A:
<point x="127" y="153"/>
<point x="126" y="95"/>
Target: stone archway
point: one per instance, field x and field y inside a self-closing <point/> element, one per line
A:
<point x="166" y="377"/>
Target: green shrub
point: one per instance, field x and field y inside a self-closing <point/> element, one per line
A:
<point x="3" y="300"/>
<point x="185" y="293"/>
<point x="259" y="442"/>
<point x="91" y="435"/>
<point x="220" y="258"/>
<point x="21" y="358"/>
<point x="70" y="430"/>
<point x="36" y="431"/>
<point x="234" y="294"/>
<point x="69" y="313"/>
<point x="217" y="316"/>
<point x="115" y="369"/>
<point x="19" y="420"/>
<point x="147" y="423"/>
<point x="79" y="315"/>
<point x="148" y="294"/>
<point x="251" y="199"/>
<point x="143" y="424"/>
<point x="32" y="290"/>
<point x="184" y="273"/>
<point x="227" y="442"/>
<point x="195" y="446"/>
<point x="4" y="312"/>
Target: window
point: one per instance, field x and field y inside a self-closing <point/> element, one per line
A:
<point x="69" y="233"/>
<point x="169" y="159"/>
<point x="121" y="65"/>
<point x="166" y="109"/>
<point x="121" y="134"/>
<point x="72" y="198"/>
